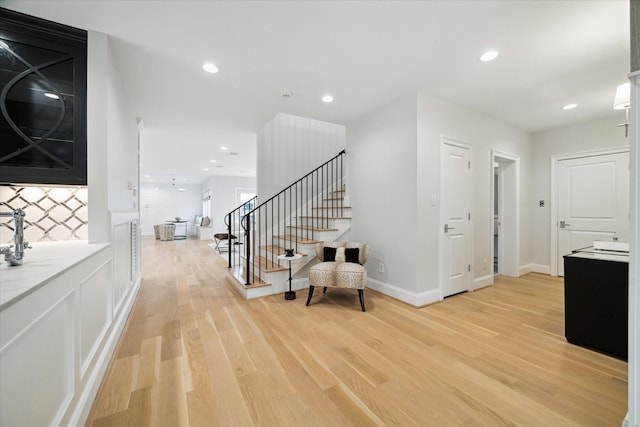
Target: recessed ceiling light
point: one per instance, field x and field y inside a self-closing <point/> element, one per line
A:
<point x="212" y="161"/>
<point x="147" y="176"/>
<point x="180" y="189"/>
<point x="489" y="55"/>
<point x="569" y="106"/>
<point x="327" y="98"/>
<point x="223" y="148"/>
<point x="51" y="95"/>
<point x="210" y="68"/>
<point x="205" y="169"/>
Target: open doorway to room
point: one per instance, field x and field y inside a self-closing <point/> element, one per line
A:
<point x="505" y="196"/>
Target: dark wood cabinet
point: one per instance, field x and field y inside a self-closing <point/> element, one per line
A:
<point x="43" y="90"/>
<point x="596" y="295"/>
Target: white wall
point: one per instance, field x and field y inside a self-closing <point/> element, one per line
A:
<point x="290" y="147"/>
<point x="590" y="136"/>
<point x="223" y="197"/>
<point x="122" y="142"/>
<point x="438" y="118"/>
<point x="634" y="259"/>
<point x="382" y="189"/>
<point x="112" y="141"/>
<point x="160" y="203"/>
<point x="392" y="210"/>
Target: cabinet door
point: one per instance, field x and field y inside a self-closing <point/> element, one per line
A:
<point x="42" y="101"/>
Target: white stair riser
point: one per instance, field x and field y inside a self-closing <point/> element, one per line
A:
<point x="324" y="223"/>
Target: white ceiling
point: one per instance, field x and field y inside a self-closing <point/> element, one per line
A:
<point x="366" y="54"/>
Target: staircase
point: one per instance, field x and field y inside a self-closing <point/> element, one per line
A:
<point x="311" y="210"/>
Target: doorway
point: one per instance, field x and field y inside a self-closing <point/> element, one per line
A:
<point x="505" y="224"/>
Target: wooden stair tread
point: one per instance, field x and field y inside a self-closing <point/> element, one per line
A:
<point x="239" y="273"/>
<point x="298" y="239"/>
<point x="278" y="250"/>
<point x="333" y="198"/>
<point x="306" y="227"/>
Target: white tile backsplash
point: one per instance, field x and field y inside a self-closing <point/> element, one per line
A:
<point x="52" y="214"/>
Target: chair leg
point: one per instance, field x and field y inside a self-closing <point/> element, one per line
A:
<point x="310" y="294"/>
<point x="324" y="291"/>
<point x="361" y="295"/>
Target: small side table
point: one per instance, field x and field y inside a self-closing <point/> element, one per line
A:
<point x="177" y="223"/>
<point x="289" y="295"/>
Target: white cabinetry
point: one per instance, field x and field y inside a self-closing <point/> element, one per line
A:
<point x="56" y="337"/>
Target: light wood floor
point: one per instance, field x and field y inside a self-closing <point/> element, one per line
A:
<point x="194" y="353"/>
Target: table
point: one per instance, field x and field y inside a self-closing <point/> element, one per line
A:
<point x="289" y="295"/>
<point x="177" y="236"/>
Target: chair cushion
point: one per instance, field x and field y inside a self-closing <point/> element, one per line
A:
<point x="350" y="275"/>
<point x="322" y="274"/>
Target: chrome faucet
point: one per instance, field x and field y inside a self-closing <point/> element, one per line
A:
<point x="15" y="256"/>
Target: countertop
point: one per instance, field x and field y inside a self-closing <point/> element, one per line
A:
<point x="600" y="254"/>
<point x="44" y="262"/>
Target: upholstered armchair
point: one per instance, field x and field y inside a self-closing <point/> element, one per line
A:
<point x="341" y="266"/>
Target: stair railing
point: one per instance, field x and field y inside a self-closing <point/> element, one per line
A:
<point x="234" y="232"/>
<point x="292" y="215"/>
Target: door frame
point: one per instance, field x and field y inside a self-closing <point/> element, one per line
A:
<point x="510" y="243"/>
<point x="456" y="143"/>
<point x="553" y="199"/>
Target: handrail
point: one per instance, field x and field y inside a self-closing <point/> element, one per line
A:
<point x="240" y="211"/>
<point x="300" y="180"/>
<point x="281" y="212"/>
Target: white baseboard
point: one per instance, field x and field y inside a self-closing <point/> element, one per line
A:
<point x="534" y="268"/>
<point x="90" y="390"/>
<point x="482" y="282"/>
<point x="416" y="299"/>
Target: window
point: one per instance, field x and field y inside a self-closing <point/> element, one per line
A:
<point x="243" y="195"/>
<point x="206" y="204"/>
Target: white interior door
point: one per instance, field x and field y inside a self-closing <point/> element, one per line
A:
<point x="455" y="241"/>
<point x="593" y="201"/>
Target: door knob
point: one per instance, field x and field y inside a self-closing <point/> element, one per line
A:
<point x="564" y="224"/>
<point x="447" y="228"/>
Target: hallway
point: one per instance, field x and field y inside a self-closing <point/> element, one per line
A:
<point x="194" y="353"/>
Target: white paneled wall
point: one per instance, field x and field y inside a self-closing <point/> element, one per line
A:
<point x="290" y="147"/>
<point x="160" y="203"/>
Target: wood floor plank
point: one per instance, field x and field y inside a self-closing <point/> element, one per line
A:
<point x="195" y="353"/>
